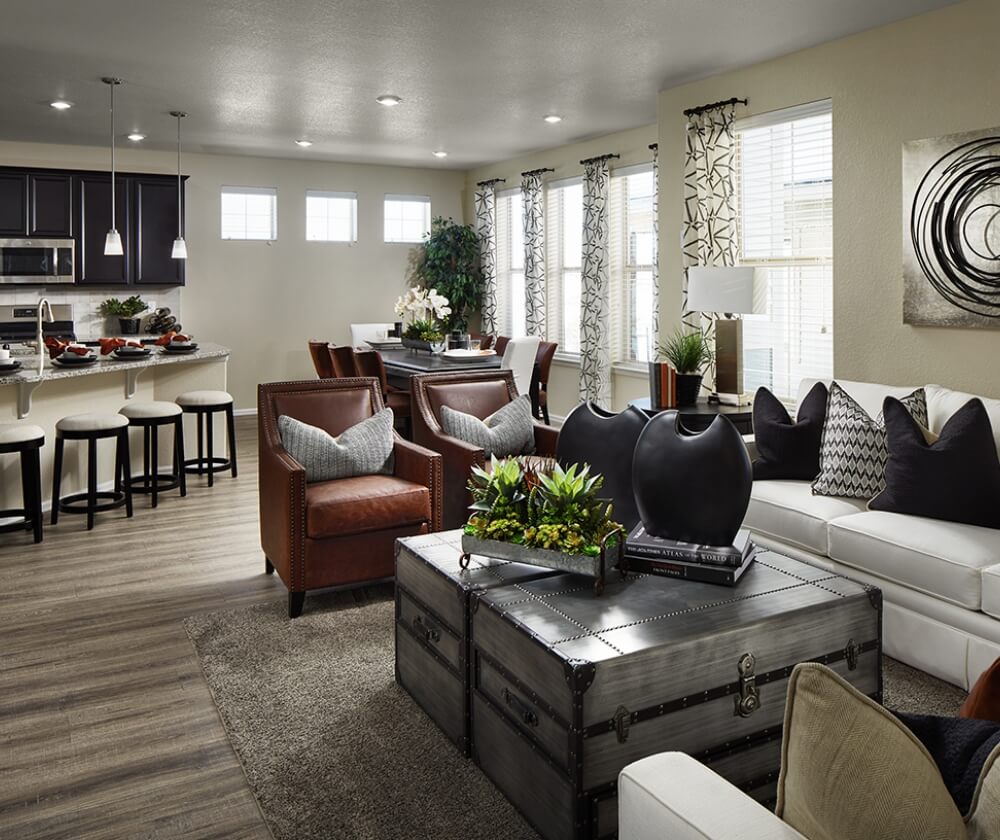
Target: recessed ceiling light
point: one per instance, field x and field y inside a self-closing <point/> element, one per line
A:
<point x="440" y="154"/>
<point x="305" y="144"/>
<point x="61" y="105"/>
<point x="552" y="118"/>
<point x="135" y="137"/>
<point x="388" y="100"/>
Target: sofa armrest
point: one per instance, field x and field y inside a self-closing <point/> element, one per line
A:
<point x="421" y="466"/>
<point x="672" y="795"/>
<point x="282" y="491"/>
<point x="546" y="439"/>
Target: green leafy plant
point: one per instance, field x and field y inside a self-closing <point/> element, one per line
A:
<point x="450" y="264"/>
<point x="424" y="330"/>
<point x="687" y="352"/>
<point x="128" y="308"/>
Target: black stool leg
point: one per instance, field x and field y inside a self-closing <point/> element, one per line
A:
<point x="57" y="479"/>
<point x="154" y="451"/>
<point x="231" y="430"/>
<point x="26" y="498"/>
<point x="91" y="482"/>
<point x="209" y="434"/>
<point x="126" y="469"/>
<point x="179" y="453"/>
<point x="198" y="417"/>
<point x="35" y="482"/>
<point x="145" y="458"/>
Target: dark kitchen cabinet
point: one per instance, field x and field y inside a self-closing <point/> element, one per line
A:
<point x="155" y="228"/>
<point x="13" y="203"/>
<point x="50" y="205"/>
<point x="93" y="199"/>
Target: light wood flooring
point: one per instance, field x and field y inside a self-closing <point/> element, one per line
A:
<point x="107" y="728"/>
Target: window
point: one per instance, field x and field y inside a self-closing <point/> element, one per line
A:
<point x="407" y="218"/>
<point x="249" y="213"/>
<point x="331" y="216"/>
<point x="564" y="261"/>
<point x="632" y="249"/>
<point x="785" y="201"/>
<point x="510" y="263"/>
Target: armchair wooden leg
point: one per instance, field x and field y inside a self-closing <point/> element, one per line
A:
<point x="295" y="602"/>
<point x="268" y="567"/>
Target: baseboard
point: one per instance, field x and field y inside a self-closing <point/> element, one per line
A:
<point x="244" y="412"/>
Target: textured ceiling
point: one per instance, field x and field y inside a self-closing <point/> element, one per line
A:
<point x="476" y="77"/>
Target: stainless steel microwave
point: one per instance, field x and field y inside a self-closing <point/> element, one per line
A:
<point x="37" y="261"/>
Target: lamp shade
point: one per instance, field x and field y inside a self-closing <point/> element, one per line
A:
<point x="721" y="289"/>
<point x="113" y="244"/>
<point x="179" y="251"/>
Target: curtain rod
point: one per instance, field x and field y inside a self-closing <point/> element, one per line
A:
<point x="537" y="171"/>
<point x="598" y="159"/>
<point x="491" y="182"/>
<point x="690" y="112"/>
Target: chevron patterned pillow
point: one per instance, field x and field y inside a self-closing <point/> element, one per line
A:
<point x="363" y="449"/>
<point x="854" y="450"/>
<point x="508" y="431"/>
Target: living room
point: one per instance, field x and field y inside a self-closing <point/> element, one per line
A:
<point x="225" y="644"/>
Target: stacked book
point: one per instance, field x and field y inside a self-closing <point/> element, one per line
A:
<point x="723" y="564"/>
<point x="662" y="386"/>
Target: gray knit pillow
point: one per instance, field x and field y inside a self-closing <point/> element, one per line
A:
<point x="363" y="449"/>
<point x="509" y="431"/>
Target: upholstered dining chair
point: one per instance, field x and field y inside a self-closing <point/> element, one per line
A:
<point x="369" y="363"/>
<point x="500" y="344"/>
<point x="343" y="531"/>
<point x="477" y="393"/>
<point x="343" y="361"/>
<point x="320" y="353"/>
<point x="519" y="358"/>
<point x="543" y="360"/>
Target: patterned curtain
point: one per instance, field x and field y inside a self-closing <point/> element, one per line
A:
<point x="656" y="250"/>
<point x="486" y="227"/>
<point x="709" y="233"/>
<point x="595" y="338"/>
<point x="533" y="200"/>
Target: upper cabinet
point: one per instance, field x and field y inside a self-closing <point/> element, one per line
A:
<point x="50" y="205"/>
<point x="155" y="228"/>
<point x="13" y="204"/>
<point x="93" y="268"/>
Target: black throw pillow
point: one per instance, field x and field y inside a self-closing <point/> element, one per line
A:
<point x="787" y="449"/>
<point x="956" y="478"/>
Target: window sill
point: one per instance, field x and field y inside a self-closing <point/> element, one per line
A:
<point x="637" y="370"/>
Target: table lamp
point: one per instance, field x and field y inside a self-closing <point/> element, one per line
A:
<point x="725" y="290"/>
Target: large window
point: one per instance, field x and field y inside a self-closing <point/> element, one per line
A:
<point x="331" y="216"/>
<point x="632" y="249"/>
<point x="510" y="263"/>
<point x="407" y="218"/>
<point x="249" y="213"/>
<point x="785" y="192"/>
<point x="564" y="262"/>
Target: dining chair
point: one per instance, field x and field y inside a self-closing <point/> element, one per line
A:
<point x="519" y="358"/>
<point x="343" y="361"/>
<point x="360" y="333"/>
<point x="500" y="344"/>
<point x="369" y="363"/>
<point x="543" y="359"/>
<point x="320" y="353"/>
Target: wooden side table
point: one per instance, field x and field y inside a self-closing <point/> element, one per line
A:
<point x="697" y="417"/>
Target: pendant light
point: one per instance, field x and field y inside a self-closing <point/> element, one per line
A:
<point x="179" y="251"/>
<point x="112" y="242"/>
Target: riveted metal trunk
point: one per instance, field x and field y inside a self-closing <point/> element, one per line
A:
<point x="568" y="688"/>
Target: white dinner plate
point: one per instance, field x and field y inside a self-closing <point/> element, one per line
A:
<point x="468" y="354"/>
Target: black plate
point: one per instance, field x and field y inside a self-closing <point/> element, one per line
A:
<point x="10" y="367"/>
<point x="131" y="355"/>
<point x="180" y="351"/>
<point x="84" y="361"/>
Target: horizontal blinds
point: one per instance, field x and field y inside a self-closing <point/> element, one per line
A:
<point x="785" y="190"/>
<point x="563" y="261"/>
<point x="510" y="263"/>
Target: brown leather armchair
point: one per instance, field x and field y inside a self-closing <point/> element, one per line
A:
<point x="477" y="393"/>
<point x="331" y="533"/>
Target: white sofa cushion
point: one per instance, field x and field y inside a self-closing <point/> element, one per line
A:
<point x="869" y="395"/>
<point x="944" y="559"/>
<point x="789" y="512"/>
<point x="991" y="591"/>
<point x="942" y="403"/>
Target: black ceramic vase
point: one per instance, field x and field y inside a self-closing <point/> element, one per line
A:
<point x="691" y="487"/>
<point x="688" y="388"/>
<point x="606" y="441"/>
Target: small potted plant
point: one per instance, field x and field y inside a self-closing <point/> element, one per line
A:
<point x="126" y="311"/>
<point x="688" y="353"/>
<point x="427" y="309"/>
<point x="534" y="512"/>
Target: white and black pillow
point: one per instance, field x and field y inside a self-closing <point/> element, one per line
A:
<point x="363" y="449"/>
<point x="955" y="477"/>
<point x="854" y="451"/>
<point x="508" y="431"/>
<point x="785" y="449"/>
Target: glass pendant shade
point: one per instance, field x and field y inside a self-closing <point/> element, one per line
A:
<point x="113" y="244"/>
<point x="179" y="251"/>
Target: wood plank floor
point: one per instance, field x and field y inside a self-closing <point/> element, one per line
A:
<point x="107" y="729"/>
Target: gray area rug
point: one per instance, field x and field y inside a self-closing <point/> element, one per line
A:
<point x="333" y="748"/>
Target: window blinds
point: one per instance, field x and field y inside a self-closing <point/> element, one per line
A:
<point x="564" y="261"/>
<point x="510" y="264"/>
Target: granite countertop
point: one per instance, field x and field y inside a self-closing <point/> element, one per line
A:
<point x="107" y="364"/>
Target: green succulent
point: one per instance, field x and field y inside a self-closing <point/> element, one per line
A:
<point x="424" y="331"/>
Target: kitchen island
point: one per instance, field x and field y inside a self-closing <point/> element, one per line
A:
<point x="43" y="395"/>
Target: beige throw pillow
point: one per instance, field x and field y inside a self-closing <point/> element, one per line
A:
<point x="852" y="771"/>
<point x="984" y="816"/>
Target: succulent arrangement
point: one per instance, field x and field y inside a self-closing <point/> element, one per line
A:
<point x="539" y="504"/>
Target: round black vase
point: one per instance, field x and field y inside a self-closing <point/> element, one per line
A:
<point x="129" y="326"/>
<point x="691" y="487"/>
<point x="688" y="388"/>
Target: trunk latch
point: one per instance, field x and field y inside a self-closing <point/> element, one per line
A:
<point x="622" y="720"/>
<point x="749" y="700"/>
<point x="851" y="654"/>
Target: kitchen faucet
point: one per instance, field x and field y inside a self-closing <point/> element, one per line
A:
<point x="43" y="304"/>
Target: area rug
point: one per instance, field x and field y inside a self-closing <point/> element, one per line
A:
<point x="333" y="748"/>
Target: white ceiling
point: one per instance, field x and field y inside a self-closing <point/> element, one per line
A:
<point x="476" y="77"/>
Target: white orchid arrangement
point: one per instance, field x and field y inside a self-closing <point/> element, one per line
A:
<point x="427" y="308"/>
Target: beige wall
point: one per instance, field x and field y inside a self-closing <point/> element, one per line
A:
<point x="924" y="77"/>
<point x="264" y="300"/>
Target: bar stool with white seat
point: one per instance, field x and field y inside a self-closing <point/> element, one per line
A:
<point x="204" y="405"/>
<point x="92" y="428"/>
<point x="26" y="441"/>
<point x="150" y="416"/>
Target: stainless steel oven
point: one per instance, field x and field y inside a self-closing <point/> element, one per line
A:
<point x="37" y="261"/>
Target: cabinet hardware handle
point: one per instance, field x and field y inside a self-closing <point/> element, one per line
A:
<point x="518" y="705"/>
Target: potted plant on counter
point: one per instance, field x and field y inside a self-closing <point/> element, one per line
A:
<point x="126" y="311"/>
<point x="427" y="309"/>
<point x="688" y="353"/>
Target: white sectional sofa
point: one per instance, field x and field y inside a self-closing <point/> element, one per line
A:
<point x="940" y="580"/>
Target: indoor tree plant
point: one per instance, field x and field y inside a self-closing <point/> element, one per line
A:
<point x="450" y="265"/>
<point x="427" y="309"/>
<point x="687" y="353"/>
<point x="126" y="311"/>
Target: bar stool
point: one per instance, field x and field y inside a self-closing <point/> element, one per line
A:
<point x="204" y="405"/>
<point x="150" y="416"/>
<point x="92" y="428"/>
<point x="26" y="441"/>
